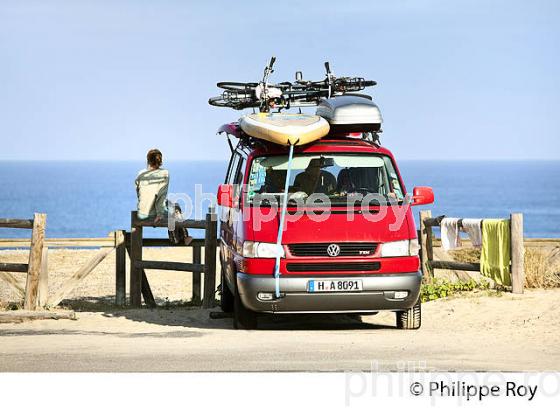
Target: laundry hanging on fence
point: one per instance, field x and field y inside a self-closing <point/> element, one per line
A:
<point x="472" y="226"/>
<point x="450" y="238"/>
<point x="496" y="250"/>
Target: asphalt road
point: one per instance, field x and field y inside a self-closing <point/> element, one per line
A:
<point x="475" y="333"/>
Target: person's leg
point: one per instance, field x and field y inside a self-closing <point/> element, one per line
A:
<point x="142" y="216"/>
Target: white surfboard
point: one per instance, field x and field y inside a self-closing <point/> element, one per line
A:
<point x="285" y="129"/>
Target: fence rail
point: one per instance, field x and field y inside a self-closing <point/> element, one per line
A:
<point x="109" y="242"/>
<point x="16" y="223"/>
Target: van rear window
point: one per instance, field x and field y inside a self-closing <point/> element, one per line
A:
<point x="338" y="176"/>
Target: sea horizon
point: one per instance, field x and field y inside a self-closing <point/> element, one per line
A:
<point x="83" y="199"/>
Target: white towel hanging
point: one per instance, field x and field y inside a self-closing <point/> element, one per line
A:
<point x="450" y="238"/>
<point x="473" y="228"/>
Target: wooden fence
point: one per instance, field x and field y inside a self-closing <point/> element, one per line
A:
<point x="36" y="286"/>
<point x="427" y="239"/>
<point x="36" y="292"/>
<point x="133" y="242"/>
<point x="36" y="289"/>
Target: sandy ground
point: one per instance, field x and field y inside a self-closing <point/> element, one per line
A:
<point x="478" y="331"/>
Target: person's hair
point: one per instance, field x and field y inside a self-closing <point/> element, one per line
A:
<point x="155" y="158"/>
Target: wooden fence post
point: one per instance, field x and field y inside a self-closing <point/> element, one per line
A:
<point x="35" y="258"/>
<point x="146" y="290"/>
<point x="43" y="291"/>
<point x="517" y="253"/>
<point x="135" y="255"/>
<point x="210" y="244"/>
<point x="426" y="250"/>
<point x="196" y="283"/>
<point x="120" y="268"/>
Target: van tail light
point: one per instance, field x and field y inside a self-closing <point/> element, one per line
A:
<point x="225" y="195"/>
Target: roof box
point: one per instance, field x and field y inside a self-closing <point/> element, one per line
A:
<point x="351" y="113"/>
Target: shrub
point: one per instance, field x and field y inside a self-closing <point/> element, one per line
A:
<point x="441" y="288"/>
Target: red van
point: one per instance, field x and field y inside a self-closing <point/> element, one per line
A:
<point x="356" y="255"/>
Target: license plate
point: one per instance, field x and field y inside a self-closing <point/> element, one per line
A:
<point x="340" y="285"/>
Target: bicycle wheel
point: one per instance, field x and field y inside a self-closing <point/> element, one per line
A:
<point x="235" y="103"/>
<point x="235" y="86"/>
<point x="348" y="84"/>
<point x="219" y="101"/>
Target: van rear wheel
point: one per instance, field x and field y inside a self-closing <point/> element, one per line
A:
<point x="243" y="318"/>
<point x="410" y="318"/>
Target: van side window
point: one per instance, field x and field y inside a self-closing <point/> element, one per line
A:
<point x="228" y="171"/>
<point x="238" y="181"/>
<point x="240" y="172"/>
<point x="394" y="183"/>
<point x="233" y="165"/>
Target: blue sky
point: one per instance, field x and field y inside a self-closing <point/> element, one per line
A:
<point x="110" y="79"/>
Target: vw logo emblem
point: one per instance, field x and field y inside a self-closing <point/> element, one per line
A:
<point x="333" y="250"/>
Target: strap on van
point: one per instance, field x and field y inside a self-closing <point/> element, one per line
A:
<point x="279" y="251"/>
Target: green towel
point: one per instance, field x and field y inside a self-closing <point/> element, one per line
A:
<point x="496" y="250"/>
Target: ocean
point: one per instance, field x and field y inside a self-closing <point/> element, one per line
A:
<point x="92" y="198"/>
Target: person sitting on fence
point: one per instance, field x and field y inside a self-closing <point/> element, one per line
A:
<point x="151" y="188"/>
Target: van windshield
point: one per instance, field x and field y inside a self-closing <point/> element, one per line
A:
<point x="341" y="177"/>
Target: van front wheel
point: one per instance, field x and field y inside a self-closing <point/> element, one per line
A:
<point x="243" y="318"/>
<point x="410" y="318"/>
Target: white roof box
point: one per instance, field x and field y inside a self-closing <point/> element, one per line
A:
<point x="351" y="113"/>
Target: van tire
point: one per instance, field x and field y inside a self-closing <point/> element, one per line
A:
<point x="243" y="318"/>
<point x="410" y="318"/>
<point x="226" y="297"/>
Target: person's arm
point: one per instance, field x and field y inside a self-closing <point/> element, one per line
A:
<point x="160" y="199"/>
<point x="137" y="181"/>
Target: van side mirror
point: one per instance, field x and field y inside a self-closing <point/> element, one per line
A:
<point x="422" y="195"/>
<point x="225" y="195"/>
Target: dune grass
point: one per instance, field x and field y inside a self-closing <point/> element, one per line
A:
<point x="540" y="270"/>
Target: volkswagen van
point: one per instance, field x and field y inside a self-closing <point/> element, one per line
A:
<point x="349" y="243"/>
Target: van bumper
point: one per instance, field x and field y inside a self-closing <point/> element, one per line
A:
<point x="377" y="294"/>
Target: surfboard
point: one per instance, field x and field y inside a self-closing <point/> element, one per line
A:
<point x="284" y="128"/>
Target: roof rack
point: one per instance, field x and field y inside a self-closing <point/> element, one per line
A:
<point x="244" y="139"/>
